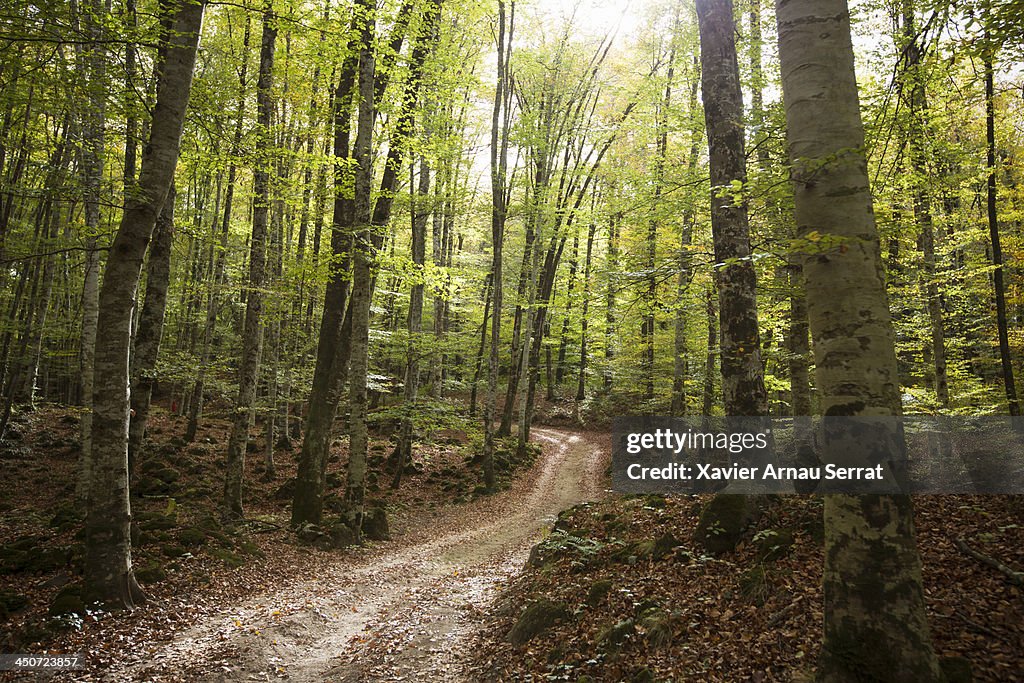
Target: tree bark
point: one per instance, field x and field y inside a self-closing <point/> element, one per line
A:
<point x="251" y="335"/>
<point x="743" y="390"/>
<point x="150" y="329"/>
<point x="876" y="626"/>
<point x="998" y="276"/>
<point x="108" y="566"/>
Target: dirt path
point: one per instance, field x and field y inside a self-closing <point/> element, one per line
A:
<point x="395" y="613"/>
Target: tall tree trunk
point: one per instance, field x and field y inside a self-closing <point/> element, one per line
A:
<point x="998" y="276"/>
<point x="108" y="565"/>
<point x="325" y="393"/>
<point x="500" y="123"/>
<point x="708" y="397"/>
<point x="743" y="390"/>
<point x="647" y="327"/>
<point x="876" y="626"/>
<point x="362" y="260"/>
<point x="249" y="363"/>
<point x="150" y="329"/>
<point x="680" y="369"/>
<point x="611" y="294"/>
<point x="93" y="59"/>
<point x="581" y="385"/>
<point x="913" y="91"/>
<point x="483" y="344"/>
<point x="420" y="213"/>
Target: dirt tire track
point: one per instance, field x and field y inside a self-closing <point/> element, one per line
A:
<point x="401" y="611"/>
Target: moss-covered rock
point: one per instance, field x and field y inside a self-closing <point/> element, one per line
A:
<point x="724" y="521"/>
<point x="598" y="590"/>
<point x="154" y="521"/>
<point x="535" y="619"/>
<point x="151" y="573"/>
<point x="66" y="518"/>
<point x="375" y="524"/>
<point x="613" y="636"/>
<point x="47" y="560"/>
<point x="227" y="557"/>
<point x="172" y="550"/>
<point x="10" y="602"/>
<point x="192" y="537"/>
<point x="68" y="601"/>
<point x="773" y="544"/>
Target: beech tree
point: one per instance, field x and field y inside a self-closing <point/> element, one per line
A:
<point x="872" y="573"/>
<point x="108" y="565"/>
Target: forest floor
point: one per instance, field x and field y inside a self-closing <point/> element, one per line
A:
<point x="257" y="605"/>
<point x="470" y="587"/>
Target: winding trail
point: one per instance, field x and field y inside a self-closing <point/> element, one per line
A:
<point x="402" y="612"/>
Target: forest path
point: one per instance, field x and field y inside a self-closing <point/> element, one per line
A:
<point x="395" y="613"/>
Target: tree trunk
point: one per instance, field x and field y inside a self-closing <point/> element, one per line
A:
<point x="998" y="276"/>
<point x="363" y="253"/>
<point x="876" y="626"/>
<point x="150" y="329"/>
<point x="500" y="123"/>
<point x="420" y="213"/>
<point x="93" y="141"/>
<point x="251" y="335"/>
<point x="108" y="565"/>
<point x="743" y="391"/>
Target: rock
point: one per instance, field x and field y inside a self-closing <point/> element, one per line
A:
<point x="644" y="675"/>
<point x="65" y="518"/>
<point x="172" y="550"/>
<point x="535" y="619"/>
<point x="227" y="557"/>
<point x="724" y="521"/>
<point x="68" y="601"/>
<point x="155" y="521"/>
<point x="598" y="590"/>
<point x="614" y="636"/>
<point x="375" y="525"/>
<point x="151" y="573"/>
<point x="342" y="535"/>
<point x="773" y="544"/>
<point x="192" y="537"/>
<point x="11" y="602"/>
<point x="58" y="581"/>
<point x="47" y="560"/>
<point x="285" y="491"/>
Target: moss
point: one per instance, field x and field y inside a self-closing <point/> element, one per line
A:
<point x="535" y="619"/>
<point x="154" y="521"/>
<point x="613" y="636"/>
<point x="151" y="573"/>
<point x="956" y="669"/>
<point x="250" y="548"/>
<point x="172" y="550"/>
<point x="68" y="601"/>
<point x="598" y="590"/>
<point x="773" y="544"/>
<point x="10" y="601"/>
<point x="227" y="557"/>
<point x="192" y="538"/>
<point x="724" y="521"/>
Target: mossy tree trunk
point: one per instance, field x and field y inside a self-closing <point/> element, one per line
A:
<point x="108" y="563"/>
<point x="876" y="627"/>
